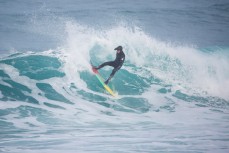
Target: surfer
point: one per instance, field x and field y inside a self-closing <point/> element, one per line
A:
<point x="117" y="63"/>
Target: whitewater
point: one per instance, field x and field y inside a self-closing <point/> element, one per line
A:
<point x="173" y="93"/>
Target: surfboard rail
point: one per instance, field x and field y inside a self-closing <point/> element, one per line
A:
<point x="101" y="80"/>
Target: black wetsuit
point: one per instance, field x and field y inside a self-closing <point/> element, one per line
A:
<point x="117" y="64"/>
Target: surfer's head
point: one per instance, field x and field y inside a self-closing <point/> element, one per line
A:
<point x="118" y="48"/>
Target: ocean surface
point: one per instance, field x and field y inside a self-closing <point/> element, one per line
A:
<point x="173" y="89"/>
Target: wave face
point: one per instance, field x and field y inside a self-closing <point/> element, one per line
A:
<point x="172" y="96"/>
<point x="162" y="88"/>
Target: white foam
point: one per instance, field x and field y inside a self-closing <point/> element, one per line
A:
<point x="182" y="66"/>
<point x="185" y="68"/>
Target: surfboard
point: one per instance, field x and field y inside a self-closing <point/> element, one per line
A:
<point x="101" y="80"/>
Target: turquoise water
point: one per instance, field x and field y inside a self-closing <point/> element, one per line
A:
<point x="172" y="90"/>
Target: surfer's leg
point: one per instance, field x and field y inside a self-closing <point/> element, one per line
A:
<point x="110" y="63"/>
<point x="112" y="74"/>
<point x="107" y="81"/>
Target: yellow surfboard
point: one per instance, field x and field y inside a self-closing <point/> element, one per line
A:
<point x="101" y="80"/>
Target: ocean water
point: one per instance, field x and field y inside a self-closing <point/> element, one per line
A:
<point x="173" y="89"/>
